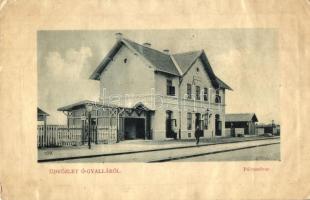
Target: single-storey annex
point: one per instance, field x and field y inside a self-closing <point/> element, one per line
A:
<point x="241" y="123"/>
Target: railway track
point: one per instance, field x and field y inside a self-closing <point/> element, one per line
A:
<point x="172" y="154"/>
<point x="209" y="153"/>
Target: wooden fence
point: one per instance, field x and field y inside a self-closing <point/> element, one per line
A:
<point x="60" y="135"/>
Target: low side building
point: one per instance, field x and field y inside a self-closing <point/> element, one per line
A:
<point x="240" y="124"/>
<point x="42" y="117"/>
<point x="109" y="122"/>
<point x="273" y="129"/>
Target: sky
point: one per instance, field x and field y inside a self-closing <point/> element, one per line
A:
<point x="245" y="59"/>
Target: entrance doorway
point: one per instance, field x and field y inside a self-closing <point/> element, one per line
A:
<point x="198" y="122"/>
<point x="246" y="129"/>
<point x="218" y="125"/>
<point x="134" y="128"/>
<point x="169" y="124"/>
<point x="232" y="130"/>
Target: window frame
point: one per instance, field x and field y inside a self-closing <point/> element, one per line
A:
<point x="169" y="84"/>
<point x="205" y="94"/>
<point x="218" y="98"/>
<point x="189" y="118"/>
<point x="198" y="91"/>
<point x="189" y="91"/>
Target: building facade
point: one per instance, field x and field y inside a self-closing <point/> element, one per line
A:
<point x="175" y="92"/>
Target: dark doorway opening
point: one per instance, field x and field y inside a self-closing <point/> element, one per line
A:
<point x="232" y="130"/>
<point x="218" y="125"/>
<point x="169" y="121"/>
<point x="198" y="121"/>
<point x="134" y="128"/>
<point x="246" y="129"/>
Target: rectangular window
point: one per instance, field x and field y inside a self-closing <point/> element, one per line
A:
<point x="205" y="94"/>
<point x="170" y="88"/>
<point x="189" y="135"/>
<point x="197" y="93"/>
<point x="217" y="97"/>
<point x="189" y="91"/>
<point x="189" y="121"/>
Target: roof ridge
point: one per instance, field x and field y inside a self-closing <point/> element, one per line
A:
<point x="147" y="47"/>
<point x="171" y="54"/>
<point x="195" y="51"/>
<point x="143" y="51"/>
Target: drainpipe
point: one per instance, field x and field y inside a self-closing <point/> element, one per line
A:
<point x="212" y="113"/>
<point x="180" y="107"/>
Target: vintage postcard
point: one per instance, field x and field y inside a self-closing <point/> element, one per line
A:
<point x="154" y="99"/>
<point x="139" y="96"/>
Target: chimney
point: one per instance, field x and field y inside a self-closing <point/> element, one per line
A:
<point x="118" y="36"/>
<point x="147" y="44"/>
<point x="166" y="50"/>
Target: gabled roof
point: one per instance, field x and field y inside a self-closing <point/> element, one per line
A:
<point x="185" y="60"/>
<point x="160" y="60"/>
<point x="163" y="62"/>
<point x="40" y="112"/>
<point x="241" y="117"/>
<point x="96" y="74"/>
